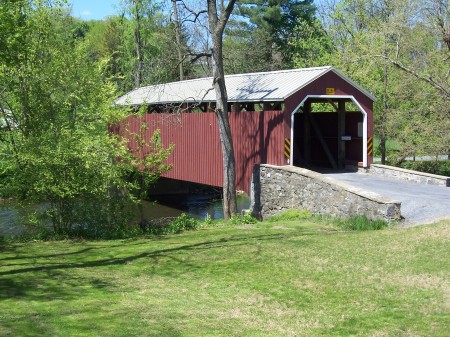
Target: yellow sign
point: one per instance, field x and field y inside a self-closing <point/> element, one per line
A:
<point x="287" y="148"/>
<point x="370" y="146"/>
<point x="330" y="91"/>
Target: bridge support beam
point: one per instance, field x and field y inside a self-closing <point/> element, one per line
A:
<point x="341" y="134"/>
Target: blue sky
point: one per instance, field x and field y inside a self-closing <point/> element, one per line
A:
<point x="99" y="9"/>
<point x="94" y="9"/>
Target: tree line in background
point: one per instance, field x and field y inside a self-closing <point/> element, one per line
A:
<point x="59" y="75"/>
<point x="400" y="51"/>
<point x="397" y="49"/>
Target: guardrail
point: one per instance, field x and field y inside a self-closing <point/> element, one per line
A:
<point x="409" y="175"/>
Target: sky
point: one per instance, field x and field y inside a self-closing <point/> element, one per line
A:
<point x="94" y="9"/>
<point x="99" y="9"/>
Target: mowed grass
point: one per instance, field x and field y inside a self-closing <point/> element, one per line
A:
<point x="285" y="278"/>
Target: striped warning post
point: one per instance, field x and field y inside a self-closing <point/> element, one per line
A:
<point x="287" y="148"/>
<point x="370" y="146"/>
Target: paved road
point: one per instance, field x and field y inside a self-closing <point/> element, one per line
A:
<point x="421" y="204"/>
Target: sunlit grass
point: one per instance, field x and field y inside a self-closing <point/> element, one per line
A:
<point x="289" y="277"/>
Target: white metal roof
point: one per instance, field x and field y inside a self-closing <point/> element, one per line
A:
<point x="253" y="87"/>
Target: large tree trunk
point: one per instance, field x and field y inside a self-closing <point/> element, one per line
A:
<point x="178" y="38"/>
<point x="383" y="149"/>
<point x="138" y="44"/>
<point x="385" y="111"/>
<point x="229" y="165"/>
<point x="216" y="26"/>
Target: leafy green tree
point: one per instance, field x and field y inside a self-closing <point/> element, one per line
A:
<point x="145" y="164"/>
<point x="312" y="46"/>
<point x="423" y="59"/>
<point x="360" y="30"/>
<point x="272" y="25"/>
<point x="247" y="50"/>
<point x="57" y="107"/>
<point x="148" y="44"/>
<point x="136" y="45"/>
<point x="397" y="50"/>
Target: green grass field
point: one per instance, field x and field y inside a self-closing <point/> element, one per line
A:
<point x="285" y="278"/>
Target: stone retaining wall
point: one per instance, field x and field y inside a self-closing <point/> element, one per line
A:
<point x="409" y="175"/>
<point x="279" y="188"/>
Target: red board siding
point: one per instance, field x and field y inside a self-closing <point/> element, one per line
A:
<point x="258" y="137"/>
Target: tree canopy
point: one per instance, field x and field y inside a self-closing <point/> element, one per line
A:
<point x="56" y="104"/>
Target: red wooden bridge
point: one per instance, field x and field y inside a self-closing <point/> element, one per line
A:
<point x="303" y="117"/>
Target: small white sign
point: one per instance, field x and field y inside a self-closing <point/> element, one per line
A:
<point x="346" y="138"/>
<point x="360" y="130"/>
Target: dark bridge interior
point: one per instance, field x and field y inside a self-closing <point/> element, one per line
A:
<point x="328" y="133"/>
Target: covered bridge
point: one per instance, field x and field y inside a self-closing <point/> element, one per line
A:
<point x="312" y="117"/>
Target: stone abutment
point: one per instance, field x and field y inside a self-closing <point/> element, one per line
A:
<point x="279" y="188"/>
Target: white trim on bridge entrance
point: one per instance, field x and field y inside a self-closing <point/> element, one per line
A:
<point x="291" y="159"/>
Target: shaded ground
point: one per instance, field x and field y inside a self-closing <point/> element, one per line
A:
<point x="421" y="204"/>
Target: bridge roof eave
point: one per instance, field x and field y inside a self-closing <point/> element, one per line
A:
<point x="275" y="86"/>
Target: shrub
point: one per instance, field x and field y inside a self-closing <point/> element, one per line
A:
<point x="291" y="215"/>
<point x="434" y="167"/>
<point x="359" y="223"/>
<point x="243" y="219"/>
<point x="171" y="225"/>
<point x="183" y="223"/>
<point x="208" y="220"/>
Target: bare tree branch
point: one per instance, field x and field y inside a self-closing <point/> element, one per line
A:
<point x="191" y="12"/>
<point x="198" y="56"/>
<point x="445" y="92"/>
<point x="225" y="15"/>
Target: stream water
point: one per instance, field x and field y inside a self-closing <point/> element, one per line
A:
<point x="198" y="206"/>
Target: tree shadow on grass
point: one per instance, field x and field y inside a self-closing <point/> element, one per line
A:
<point x="88" y="275"/>
<point x="25" y="257"/>
<point x="56" y="282"/>
<point x="54" y="285"/>
<point x="13" y="248"/>
<point x="224" y="242"/>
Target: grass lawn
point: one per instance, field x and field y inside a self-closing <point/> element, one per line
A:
<point x="287" y="278"/>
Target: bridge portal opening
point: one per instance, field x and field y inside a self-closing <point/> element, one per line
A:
<point x="329" y="132"/>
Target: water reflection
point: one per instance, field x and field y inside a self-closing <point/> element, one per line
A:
<point x="198" y="206"/>
<point x="10" y="215"/>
